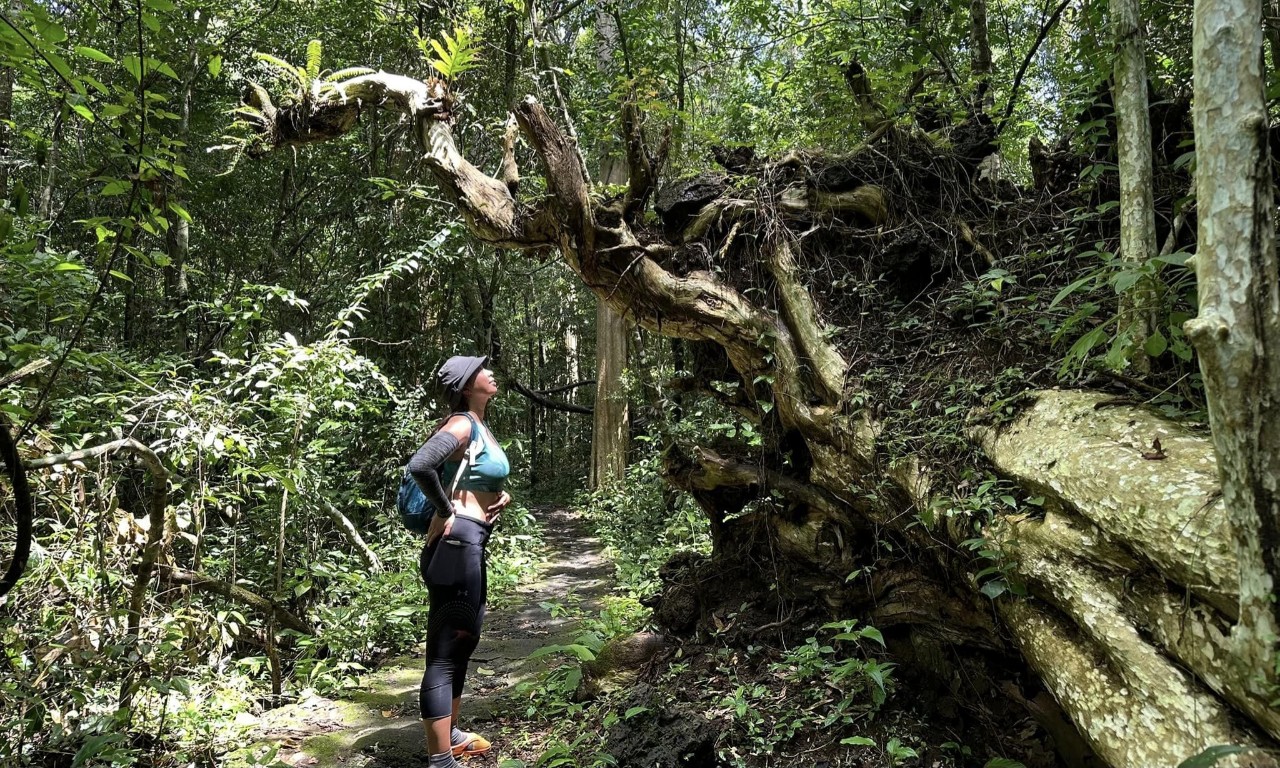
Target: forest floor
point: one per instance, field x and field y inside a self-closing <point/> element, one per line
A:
<point x="377" y="726"/>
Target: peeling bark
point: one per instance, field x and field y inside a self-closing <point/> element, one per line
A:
<point x="1169" y="512"/>
<point x="1237" y="333"/>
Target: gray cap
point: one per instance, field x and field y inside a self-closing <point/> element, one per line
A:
<point x="455" y="375"/>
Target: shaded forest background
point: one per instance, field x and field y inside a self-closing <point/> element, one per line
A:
<point x="245" y="345"/>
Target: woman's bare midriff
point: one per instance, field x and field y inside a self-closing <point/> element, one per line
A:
<point x="476" y="502"/>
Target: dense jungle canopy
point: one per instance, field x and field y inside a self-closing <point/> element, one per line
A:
<point x="918" y="363"/>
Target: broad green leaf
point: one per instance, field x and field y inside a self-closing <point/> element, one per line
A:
<point x="117" y="274"/>
<point x="214" y="65"/>
<point x="180" y="211"/>
<point x="858" y="741"/>
<point x="83" y="111"/>
<point x="63" y="69"/>
<point x="68" y="266"/>
<point x="1156" y="344"/>
<point x="94" y="53"/>
<point x="133" y="66"/>
<point x="873" y="634"/>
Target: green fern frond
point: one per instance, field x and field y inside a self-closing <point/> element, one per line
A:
<point x="295" y="73"/>
<point x="315" y="50"/>
<point x="458" y="53"/>
<point x="348" y="73"/>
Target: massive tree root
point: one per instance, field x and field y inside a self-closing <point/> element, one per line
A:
<point x="1132" y="578"/>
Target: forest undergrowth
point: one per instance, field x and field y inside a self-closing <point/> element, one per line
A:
<point x="770" y="683"/>
<point x="269" y="479"/>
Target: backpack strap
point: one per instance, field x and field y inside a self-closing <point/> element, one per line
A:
<point x="473" y="450"/>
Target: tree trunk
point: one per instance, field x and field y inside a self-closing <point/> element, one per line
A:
<point x="178" y="237"/>
<point x="1237" y="332"/>
<point x="6" y="117"/>
<point x="980" y="64"/>
<point x="1137" y="198"/>
<point x="610" y="430"/>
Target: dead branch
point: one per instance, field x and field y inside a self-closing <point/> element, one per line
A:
<point x="352" y="533"/>
<point x="239" y="594"/>
<point x="23" y="372"/>
<point x="639" y="162"/>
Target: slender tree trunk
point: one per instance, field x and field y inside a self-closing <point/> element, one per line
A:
<point x="981" y="55"/>
<point x="177" y="238"/>
<point x="6" y="117"/>
<point x="50" y="169"/>
<point x="1237" y="333"/>
<point x="1137" y="200"/>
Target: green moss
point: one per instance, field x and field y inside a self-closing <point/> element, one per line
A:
<point x="378" y="699"/>
<point x="326" y="748"/>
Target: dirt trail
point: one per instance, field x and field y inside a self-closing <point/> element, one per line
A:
<point x="378" y="727"/>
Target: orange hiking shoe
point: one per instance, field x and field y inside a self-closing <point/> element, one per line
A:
<point x="471" y="745"/>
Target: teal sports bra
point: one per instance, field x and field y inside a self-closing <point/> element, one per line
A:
<point x="489" y="467"/>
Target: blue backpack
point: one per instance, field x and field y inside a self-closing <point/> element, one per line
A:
<point x="415" y="509"/>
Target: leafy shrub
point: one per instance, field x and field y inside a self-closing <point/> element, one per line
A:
<point x="641" y="525"/>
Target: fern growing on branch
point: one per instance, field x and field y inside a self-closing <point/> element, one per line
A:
<point x="458" y="53"/>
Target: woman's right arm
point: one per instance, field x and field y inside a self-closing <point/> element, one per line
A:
<point x="426" y="463"/>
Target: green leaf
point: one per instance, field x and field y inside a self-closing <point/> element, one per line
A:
<point x="94" y="746"/>
<point x="858" y="741"/>
<point x="180" y="211"/>
<point x="63" y="69"/>
<point x="1126" y="280"/>
<point x="214" y="65"/>
<point x="68" y="266"/>
<point x="83" y="111"/>
<point x="315" y="50"/>
<point x="1003" y="762"/>
<point x="1156" y="344"/>
<point x="164" y="6"/>
<point x="1212" y="755"/>
<point x="94" y="53"/>
<point x="873" y="634"/>
<point x="133" y="66"/>
<point x="1177" y="259"/>
<point x="115" y="187"/>
<point x="994" y="588"/>
<point x="1070" y="289"/>
<point x="121" y="276"/>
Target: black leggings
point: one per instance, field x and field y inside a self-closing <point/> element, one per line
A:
<point x="454" y="569"/>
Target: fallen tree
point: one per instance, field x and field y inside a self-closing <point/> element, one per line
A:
<point x="1127" y="556"/>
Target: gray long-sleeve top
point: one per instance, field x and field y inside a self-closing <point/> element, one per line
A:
<point x="425" y="468"/>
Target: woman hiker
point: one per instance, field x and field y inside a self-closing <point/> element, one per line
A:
<point x="453" y="560"/>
